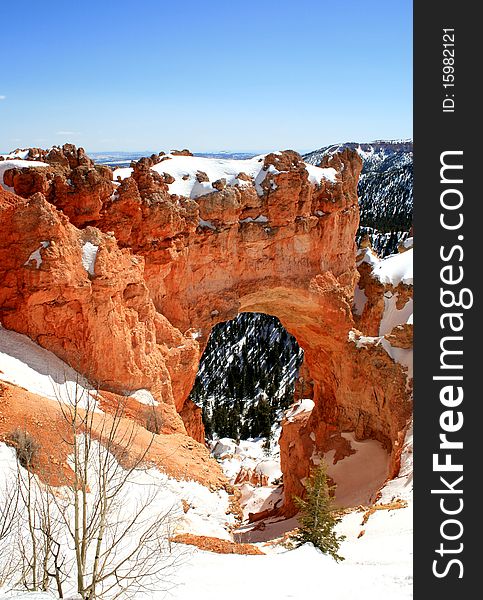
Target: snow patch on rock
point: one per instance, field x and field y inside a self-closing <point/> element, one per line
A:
<point x="36" y="256"/>
<point x="89" y="255"/>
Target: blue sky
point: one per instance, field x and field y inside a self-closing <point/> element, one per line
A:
<point x="214" y="75"/>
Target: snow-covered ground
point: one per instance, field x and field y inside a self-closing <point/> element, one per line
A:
<point x="378" y="553"/>
<point x="394" y="269"/>
<point x="359" y="476"/>
<point x="249" y="454"/>
<point x="185" y="168"/>
<point x="378" y="558"/>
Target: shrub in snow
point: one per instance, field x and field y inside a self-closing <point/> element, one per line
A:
<point x="26" y="447"/>
<point x="317" y="517"/>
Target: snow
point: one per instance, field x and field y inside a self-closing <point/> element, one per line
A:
<point x="369" y="257"/>
<point x="24" y="363"/>
<point x="362" y="341"/>
<point x="36" y="256"/>
<point x="89" y="255"/>
<point x="259" y="219"/>
<point x="316" y="174"/>
<point x="299" y="407"/>
<point x="158" y="493"/>
<point x="28" y="596"/>
<point x="224" y="446"/>
<point x="360" y="300"/>
<point x="393" y="316"/>
<point x="255" y="499"/>
<point x="250" y="455"/>
<point x="402" y="485"/>
<point x="187" y="167"/>
<point x="408" y="243"/>
<point x="203" y="223"/>
<point x="17" y="154"/>
<point x="5" y="165"/>
<point x="144" y="397"/>
<point x="376" y="566"/>
<point x="395" y="269"/>
<point x="360" y="475"/>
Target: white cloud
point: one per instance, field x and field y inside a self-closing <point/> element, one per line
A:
<point x="67" y="133"/>
<point x="3" y="97"/>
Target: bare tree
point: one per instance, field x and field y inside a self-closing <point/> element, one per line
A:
<point x="39" y="535"/>
<point x="104" y="530"/>
<point x="112" y="513"/>
<point x="9" y="560"/>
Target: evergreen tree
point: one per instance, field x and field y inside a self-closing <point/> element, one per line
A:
<point x="317" y="517"/>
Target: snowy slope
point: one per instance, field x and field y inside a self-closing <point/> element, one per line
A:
<point x="24" y="363"/>
<point x="378" y="558"/>
<point x="385" y="189"/>
<point x="378" y="564"/>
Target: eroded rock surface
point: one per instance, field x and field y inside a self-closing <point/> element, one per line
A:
<point x="124" y="280"/>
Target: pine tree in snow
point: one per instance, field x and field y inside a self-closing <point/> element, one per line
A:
<point x="317" y="517"/>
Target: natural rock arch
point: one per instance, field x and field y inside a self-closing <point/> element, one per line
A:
<point x="300" y="268"/>
<point x="169" y="268"/>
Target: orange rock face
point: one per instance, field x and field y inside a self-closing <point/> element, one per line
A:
<point x="191" y="415"/>
<point x="169" y="268"/>
<point x="212" y="544"/>
<point x="99" y="319"/>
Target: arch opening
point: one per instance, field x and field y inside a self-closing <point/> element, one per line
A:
<point x="246" y="378"/>
<point x="269" y="391"/>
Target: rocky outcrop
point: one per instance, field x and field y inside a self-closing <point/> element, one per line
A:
<point x="251" y="476"/>
<point x="85" y="299"/>
<point x="212" y="544"/>
<point x="167" y="268"/>
<point x="376" y="294"/>
<point x="73" y="184"/>
<point x="191" y="415"/>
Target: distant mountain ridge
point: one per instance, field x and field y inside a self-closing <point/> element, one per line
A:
<point x="385" y="189"/>
<point x="123" y="159"/>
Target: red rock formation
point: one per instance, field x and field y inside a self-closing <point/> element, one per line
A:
<point x="167" y="265"/>
<point x="79" y="192"/>
<point x="212" y="544"/>
<point x="191" y="415"/>
<point x="370" y="319"/>
<point x="184" y="152"/>
<point x="252" y="476"/>
<point x="104" y="324"/>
